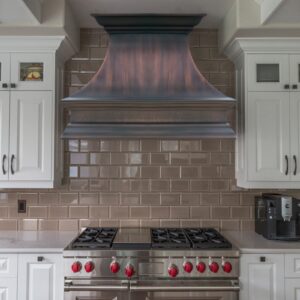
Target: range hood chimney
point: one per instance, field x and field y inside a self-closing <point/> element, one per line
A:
<point x="148" y="85"/>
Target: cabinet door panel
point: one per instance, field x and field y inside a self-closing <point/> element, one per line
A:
<point x="295" y="72"/>
<point x="295" y="135"/>
<point x="31" y="135"/>
<point x="4" y="134"/>
<point x="8" y="288"/>
<point x="32" y="71"/>
<point x="262" y="280"/>
<point x="268" y="136"/>
<point x="267" y="72"/>
<point x="40" y="280"/>
<point x="4" y="70"/>
<point x="292" y="289"/>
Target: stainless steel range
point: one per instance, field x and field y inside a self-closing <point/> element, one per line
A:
<point x="151" y="264"/>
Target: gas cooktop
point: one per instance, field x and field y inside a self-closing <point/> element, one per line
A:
<point x="93" y="238"/>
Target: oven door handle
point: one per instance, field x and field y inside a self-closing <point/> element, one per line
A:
<point x="232" y="287"/>
<point x="87" y="288"/>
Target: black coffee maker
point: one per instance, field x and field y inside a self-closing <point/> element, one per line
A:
<point x="277" y="217"/>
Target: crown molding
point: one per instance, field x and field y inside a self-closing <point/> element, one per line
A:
<point x="261" y="45"/>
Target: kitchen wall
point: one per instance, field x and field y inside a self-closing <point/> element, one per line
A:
<point x="139" y="182"/>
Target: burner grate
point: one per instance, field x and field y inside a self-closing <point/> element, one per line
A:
<point x="95" y="238"/>
<point x="169" y="238"/>
<point x="206" y="238"/>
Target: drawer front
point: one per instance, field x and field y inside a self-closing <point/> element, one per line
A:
<point x="292" y="265"/>
<point x="8" y="265"/>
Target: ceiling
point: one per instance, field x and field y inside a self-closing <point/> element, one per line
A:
<point x="215" y="9"/>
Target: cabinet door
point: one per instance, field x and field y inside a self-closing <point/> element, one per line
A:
<point x="40" y="279"/>
<point x="295" y="72"/>
<point x="292" y="289"/>
<point x="267" y="72"/>
<point x="4" y="71"/>
<point x="4" y="134"/>
<point x="32" y="71"/>
<point x="8" y="288"/>
<point x="295" y="135"/>
<point x="268" y="136"/>
<point x="31" y="136"/>
<point x="262" y="280"/>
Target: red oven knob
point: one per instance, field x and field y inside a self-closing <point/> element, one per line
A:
<point x="114" y="267"/>
<point x="227" y="267"/>
<point x="188" y="267"/>
<point x="214" y="267"/>
<point x="76" y="267"/>
<point x="201" y="267"/>
<point x="89" y="266"/>
<point x="173" y="270"/>
<point x="129" y="270"/>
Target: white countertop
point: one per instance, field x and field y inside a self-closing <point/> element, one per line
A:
<point x="35" y="241"/>
<point x="251" y="242"/>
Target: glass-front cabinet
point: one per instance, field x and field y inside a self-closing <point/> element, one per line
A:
<point x="4" y="71"/>
<point x="31" y="71"/>
<point x="268" y="72"/>
<point x="273" y="72"/>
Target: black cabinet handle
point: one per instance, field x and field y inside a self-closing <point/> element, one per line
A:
<point x="286" y="86"/>
<point x="13" y="85"/>
<point x="3" y="162"/>
<point x="12" y="165"/>
<point x="4" y="85"/>
<point x="295" y="86"/>
<point x="295" y="161"/>
<point x="40" y="258"/>
<point x="287" y="165"/>
<point x="262" y="259"/>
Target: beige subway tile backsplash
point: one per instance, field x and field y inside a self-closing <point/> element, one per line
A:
<point x="140" y="182"/>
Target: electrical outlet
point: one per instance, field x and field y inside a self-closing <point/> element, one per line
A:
<point x="22" y="206"/>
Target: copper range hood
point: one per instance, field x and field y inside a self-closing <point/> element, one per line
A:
<point x="148" y="85"/>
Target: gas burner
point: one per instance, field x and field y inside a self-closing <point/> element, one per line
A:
<point x="206" y="238"/>
<point x="169" y="238"/>
<point x="95" y="238"/>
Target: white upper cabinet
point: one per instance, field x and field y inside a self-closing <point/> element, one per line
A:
<point x="295" y="72"/>
<point x="268" y="136"/>
<point x="4" y="71"/>
<point x="268" y="72"/>
<point x="31" y="136"/>
<point x="4" y="134"/>
<point x="268" y="106"/>
<point x="32" y="71"/>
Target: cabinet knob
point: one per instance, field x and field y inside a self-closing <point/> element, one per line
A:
<point x="295" y="86"/>
<point x="262" y="259"/>
<point x="4" y="85"/>
<point x="40" y="258"/>
<point x="286" y="86"/>
<point x="13" y="85"/>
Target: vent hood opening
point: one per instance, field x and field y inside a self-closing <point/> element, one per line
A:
<point x="149" y="85"/>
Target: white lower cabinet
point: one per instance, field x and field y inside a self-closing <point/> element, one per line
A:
<point x="262" y="277"/>
<point x="8" y="290"/>
<point x="40" y="277"/>
<point x="292" y="289"/>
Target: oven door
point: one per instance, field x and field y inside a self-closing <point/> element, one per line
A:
<point x="96" y="290"/>
<point x="185" y="289"/>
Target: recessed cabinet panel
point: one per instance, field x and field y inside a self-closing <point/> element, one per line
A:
<point x="262" y="280"/>
<point x="4" y="71"/>
<point x="4" y="134"/>
<point x="8" y="289"/>
<point x="31" y="134"/>
<point x="267" y="72"/>
<point x="31" y="71"/>
<point x="40" y="280"/>
<point x="292" y="289"/>
<point x="268" y="136"/>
